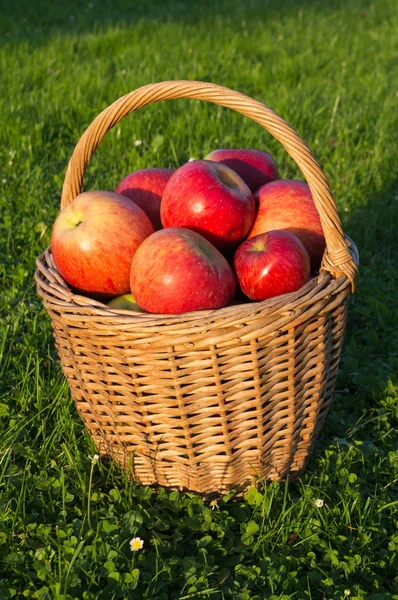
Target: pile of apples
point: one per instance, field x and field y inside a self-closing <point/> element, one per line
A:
<point x="213" y="232"/>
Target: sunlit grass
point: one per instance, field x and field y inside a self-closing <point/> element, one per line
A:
<point x="330" y="69"/>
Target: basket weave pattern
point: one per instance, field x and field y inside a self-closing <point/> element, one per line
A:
<point x="205" y="401"/>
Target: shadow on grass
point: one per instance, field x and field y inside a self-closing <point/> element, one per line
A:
<point x="35" y="22"/>
<point x="368" y="376"/>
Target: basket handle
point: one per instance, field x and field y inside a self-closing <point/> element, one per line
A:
<point x="337" y="259"/>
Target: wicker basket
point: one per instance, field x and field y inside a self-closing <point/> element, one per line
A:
<point x="209" y="400"/>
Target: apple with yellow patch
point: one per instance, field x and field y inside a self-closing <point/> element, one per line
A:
<point x="94" y="240"/>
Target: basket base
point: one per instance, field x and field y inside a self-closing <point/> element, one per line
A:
<point x="208" y="479"/>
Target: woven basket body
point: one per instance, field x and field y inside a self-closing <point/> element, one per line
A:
<point x="205" y="401"/>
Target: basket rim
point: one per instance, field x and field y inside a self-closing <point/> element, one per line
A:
<point x="56" y="292"/>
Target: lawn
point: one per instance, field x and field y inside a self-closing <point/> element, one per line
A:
<point x="330" y="68"/>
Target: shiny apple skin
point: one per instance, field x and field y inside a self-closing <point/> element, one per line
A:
<point x="94" y="240"/>
<point x="255" y="167"/>
<point x="145" y="187"/>
<point x="211" y="199"/>
<point x="271" y="264"/>
<point x="177" y="270"/>
<point x="287" y="204"/>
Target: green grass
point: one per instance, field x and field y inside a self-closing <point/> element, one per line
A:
<point x="330" y="68"/>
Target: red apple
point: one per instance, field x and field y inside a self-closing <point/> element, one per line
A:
<point x="271" y="264"/>
<point x="254" y="166"/>
<point x="211" y="199"/>
<point x="94" y="240"/>
<point x="287" y="204"/>
<point x="145" y="188"/>
<point x="177" y="270"/>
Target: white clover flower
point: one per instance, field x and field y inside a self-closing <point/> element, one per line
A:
<point x="319" y="503"/>
<point x="136" y="544"/>
<point x="137" y="143"/>
<point x="213" y="504"/>
<point x="94" y="459"/>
